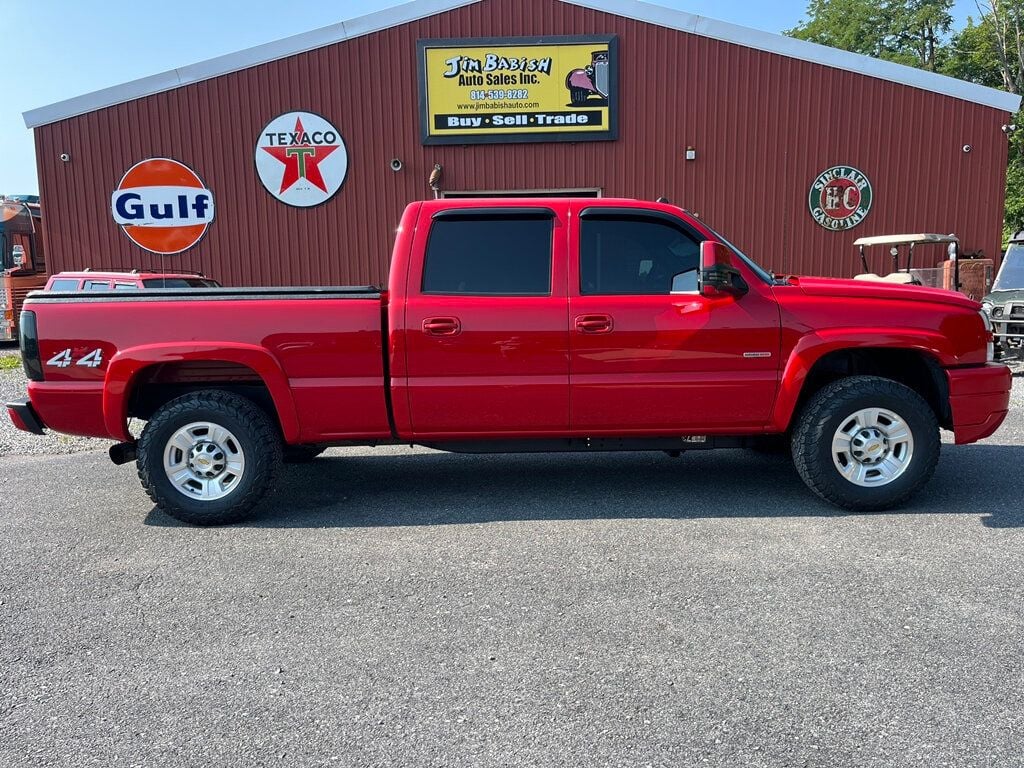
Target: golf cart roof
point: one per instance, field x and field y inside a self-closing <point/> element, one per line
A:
<point x="906" y="239"/>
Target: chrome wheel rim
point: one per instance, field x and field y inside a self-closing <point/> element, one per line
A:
<point x="872" y="447"/>
<point x="204" y="461"/>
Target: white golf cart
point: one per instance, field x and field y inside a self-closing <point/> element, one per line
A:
<point x="908" y="274"/>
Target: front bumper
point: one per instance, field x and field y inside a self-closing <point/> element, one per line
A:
<point x="979" y="397"/>
<point x="24" y="417"/>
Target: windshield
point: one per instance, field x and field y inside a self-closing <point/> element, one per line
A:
<point x="1011" y="274"/>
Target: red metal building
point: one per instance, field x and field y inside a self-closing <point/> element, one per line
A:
<point x="760" y="116"/>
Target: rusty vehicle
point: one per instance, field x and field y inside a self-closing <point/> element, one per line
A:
<point x="22" y="262"/>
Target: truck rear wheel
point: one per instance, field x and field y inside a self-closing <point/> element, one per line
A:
<point x="207" y="458"/>
<point x="866" y="443"/>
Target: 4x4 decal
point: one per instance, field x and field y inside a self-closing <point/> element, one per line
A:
<point x="63" y="359"/>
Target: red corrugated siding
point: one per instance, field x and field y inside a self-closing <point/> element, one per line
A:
<point x="764" y="126"/>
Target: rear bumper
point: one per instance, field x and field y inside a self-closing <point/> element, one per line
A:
<point x="979" y="398"/>
<point x="24" y="417"/>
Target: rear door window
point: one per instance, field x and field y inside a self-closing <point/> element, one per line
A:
<point x="97" y="285"/>
<point x="494" y="254"/>
<point x="125" y="287"/>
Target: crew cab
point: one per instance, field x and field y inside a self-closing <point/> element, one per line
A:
<point x="520" y="325"/>
<point x="131" y="280"/>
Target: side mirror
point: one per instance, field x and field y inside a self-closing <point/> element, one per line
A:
<point x="18" y="256"/>
<point x="718" y="276"/>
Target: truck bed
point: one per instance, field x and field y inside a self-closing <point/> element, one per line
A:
<point x="318" y="350"/>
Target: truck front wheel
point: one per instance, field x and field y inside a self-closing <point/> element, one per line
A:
<point x="866" y="443"/>
<point x="207" y="458"/>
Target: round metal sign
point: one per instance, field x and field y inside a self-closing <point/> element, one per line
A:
<point x="840" y="198"/>
<point x="162" y="205"/>
<point x="301" y="159"/>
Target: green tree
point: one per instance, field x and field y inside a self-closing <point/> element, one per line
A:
<point x="917" y="28"/>
<point x="971" y="55"/>
<point x="906" y="31"/>
<point x="853" y="25"/>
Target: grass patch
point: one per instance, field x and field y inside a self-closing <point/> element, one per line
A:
<point x="10" y="362"/>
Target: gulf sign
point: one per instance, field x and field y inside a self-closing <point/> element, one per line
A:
<point x="163" y="206"/>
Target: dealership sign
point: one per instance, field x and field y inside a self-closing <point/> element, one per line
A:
<point x="301" y="159"/>
<point x="840" y="198"/>
<point x="162" y="205"/>
<point x="518" y="89"/>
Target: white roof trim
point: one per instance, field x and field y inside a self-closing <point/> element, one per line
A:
<point x="801" y="49"/>
<point x="418" y="9"/>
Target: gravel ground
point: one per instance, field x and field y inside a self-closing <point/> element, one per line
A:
<point x="13" y="441"/>
<point x="401" y="607"/>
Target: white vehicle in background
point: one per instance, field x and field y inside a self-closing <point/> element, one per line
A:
<point x="1005" y="304"/>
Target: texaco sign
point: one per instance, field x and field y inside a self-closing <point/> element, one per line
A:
<point x="840" y="198"/>
<point x="301" y="159"/>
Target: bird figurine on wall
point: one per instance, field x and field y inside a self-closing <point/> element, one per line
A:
<point x="434" y="181"/>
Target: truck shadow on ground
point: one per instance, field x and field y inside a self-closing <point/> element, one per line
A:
<point x="444" y="489"/>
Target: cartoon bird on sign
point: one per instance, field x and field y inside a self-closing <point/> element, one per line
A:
<point x="436" y="176"/>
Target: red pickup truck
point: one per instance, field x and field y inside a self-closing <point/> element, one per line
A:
<point x="520" y="325"/>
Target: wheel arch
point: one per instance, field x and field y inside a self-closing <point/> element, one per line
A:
<point x="916" y="361"/>
<point x="242" y="366"/>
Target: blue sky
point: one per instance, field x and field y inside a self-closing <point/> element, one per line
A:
<point x="55" y="49"/>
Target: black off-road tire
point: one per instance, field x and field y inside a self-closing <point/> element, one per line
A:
<point x="302" y="454"/>
<point x="829" y="408"/>
<point x="253" y="429"/>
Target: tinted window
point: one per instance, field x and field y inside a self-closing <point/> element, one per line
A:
<point x="636" y="256"/>
<point x="179" y="282"/>
<point x="492" y="256"/>
<point x="96" y="285"/>
<point x="64" y="285"/>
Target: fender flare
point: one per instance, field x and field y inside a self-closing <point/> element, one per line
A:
<point x="812" y="347"/>
<point x="126" y="365"/>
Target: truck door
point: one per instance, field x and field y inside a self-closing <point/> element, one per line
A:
<point x="648" y="353"/>
<point x="486" y="324"/>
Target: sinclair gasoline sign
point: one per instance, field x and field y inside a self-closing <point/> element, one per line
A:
<point x="840" y="198"/>
<point x="518" y="89"/>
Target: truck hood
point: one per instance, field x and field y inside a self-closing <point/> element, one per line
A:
<point x="869" y="289"/>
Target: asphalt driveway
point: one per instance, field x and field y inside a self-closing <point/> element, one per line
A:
<point x="398" y="607"/>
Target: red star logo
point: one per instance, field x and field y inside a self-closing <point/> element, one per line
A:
<point x="301" y="160"/>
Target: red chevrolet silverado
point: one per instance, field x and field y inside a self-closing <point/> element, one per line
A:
<point x="520" y="325"/>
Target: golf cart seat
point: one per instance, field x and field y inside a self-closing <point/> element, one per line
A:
<point x="900" y="278"/>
